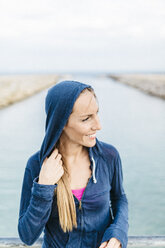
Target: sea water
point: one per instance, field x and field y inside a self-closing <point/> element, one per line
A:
<point x="131" y="121"/>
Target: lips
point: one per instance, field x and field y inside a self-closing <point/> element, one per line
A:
<point x="92" y="136"/>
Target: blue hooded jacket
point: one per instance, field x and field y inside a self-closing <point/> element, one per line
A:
<point x="102" y="212"/>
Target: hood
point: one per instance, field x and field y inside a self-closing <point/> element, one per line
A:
<point x="59" y="103"/>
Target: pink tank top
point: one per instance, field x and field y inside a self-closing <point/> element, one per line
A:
<point x="78" y="193"/>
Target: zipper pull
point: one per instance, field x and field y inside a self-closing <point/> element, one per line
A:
<point x="111" y="211"/>
<point x="80" y="205"/>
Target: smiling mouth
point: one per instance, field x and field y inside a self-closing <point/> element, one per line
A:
<point x="92" y="136"/>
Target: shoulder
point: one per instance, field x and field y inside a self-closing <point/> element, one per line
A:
<point x="108" y="151"/>
<point x="112" y="159"/>
<point x="33" y="165"/>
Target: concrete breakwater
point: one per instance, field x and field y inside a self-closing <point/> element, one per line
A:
<point x="14" y="88"/>
<point x="153" y="84"/>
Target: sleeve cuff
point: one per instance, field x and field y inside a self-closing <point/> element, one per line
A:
<point x="117" y="233"/>
<point x="43" y="191"/>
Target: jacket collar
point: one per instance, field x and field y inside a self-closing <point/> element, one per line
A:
<point x="97" y="151"/>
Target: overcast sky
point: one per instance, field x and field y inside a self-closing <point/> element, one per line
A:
<point x="87" y="35"/>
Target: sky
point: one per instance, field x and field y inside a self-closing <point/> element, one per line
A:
<point x="82" y="36"/>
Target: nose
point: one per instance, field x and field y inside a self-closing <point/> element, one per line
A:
<point x="96" y="124"/>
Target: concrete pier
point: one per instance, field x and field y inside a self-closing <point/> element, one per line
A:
<point x="152" y="84"/>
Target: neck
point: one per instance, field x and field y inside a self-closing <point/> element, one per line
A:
<point x="71" y="152"/>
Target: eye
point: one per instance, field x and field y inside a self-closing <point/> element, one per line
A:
<point x="86" y="119"/>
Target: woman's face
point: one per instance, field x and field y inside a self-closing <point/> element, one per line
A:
<point x="83" y="122"/>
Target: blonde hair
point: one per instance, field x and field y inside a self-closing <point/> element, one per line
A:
<point x="65" y="201"/>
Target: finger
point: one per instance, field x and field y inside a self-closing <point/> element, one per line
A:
<point x="60" y="162"/>
<point x="58" y="158"/>
<point x="61" y="165"/>
<point x="62" y="171"/>
<point x="60" y="168"/>
<point x="103" y="245"/>
<point x="111" y="243"/>
<point x="117" y="244"/>
<point x="114" y="243"/>
<point x="54" y="153"/>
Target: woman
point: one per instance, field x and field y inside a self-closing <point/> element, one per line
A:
<point x="72" y="187"/>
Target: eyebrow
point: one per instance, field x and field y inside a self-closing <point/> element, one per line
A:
<point x="88" y="114"/>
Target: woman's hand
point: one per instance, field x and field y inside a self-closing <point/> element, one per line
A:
<point x="112" y="243"/>
<point x="52" y="169"/>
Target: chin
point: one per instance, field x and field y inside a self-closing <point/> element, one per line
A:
<point x="91" y="144"/>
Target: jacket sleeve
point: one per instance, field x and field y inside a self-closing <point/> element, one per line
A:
<point x="35" y="208"/>
<point x="119" y="205"/>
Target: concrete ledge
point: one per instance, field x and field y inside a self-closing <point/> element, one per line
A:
<point x="146" y="241"/>
<point x="14" y="88"/>
<point x="152" y="84"/>
<point x="134" y="241"/>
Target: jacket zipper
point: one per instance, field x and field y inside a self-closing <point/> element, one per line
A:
<point x="80" y="205"/>
<point x="111" y="211"/>
<point x="80" y="201"/>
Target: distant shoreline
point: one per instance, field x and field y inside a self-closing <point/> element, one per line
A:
<point x="152" y="84"/>
<point x="14" y="88"/>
